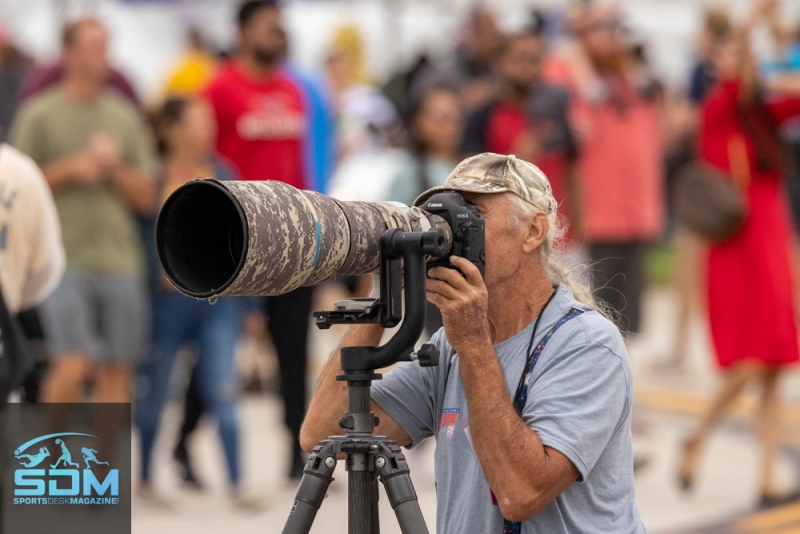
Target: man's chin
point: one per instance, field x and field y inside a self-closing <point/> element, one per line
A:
<point x="265" y="58"/>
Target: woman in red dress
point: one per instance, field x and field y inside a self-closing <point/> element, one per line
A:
<point x="751" y="287"/>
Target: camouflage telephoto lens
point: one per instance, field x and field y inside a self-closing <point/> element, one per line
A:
<point x="268" y="238"/>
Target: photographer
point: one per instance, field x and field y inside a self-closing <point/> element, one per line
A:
<point x="510" y="446"/>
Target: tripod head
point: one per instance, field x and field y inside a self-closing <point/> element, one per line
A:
<point x="404" y="252"/>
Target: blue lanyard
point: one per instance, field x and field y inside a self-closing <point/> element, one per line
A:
<point x="522" y="391"/>
<point x="530" y="355"/>
<point x="513" y="527"/>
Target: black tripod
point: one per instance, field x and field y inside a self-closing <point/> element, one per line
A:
<point x="369" y="458"/>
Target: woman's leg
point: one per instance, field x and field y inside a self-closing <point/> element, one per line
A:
<point x="688" y="277"/>
<point x="770" y="430"/>
<point x="217" y="381"/>
<point x="734" y="381"/>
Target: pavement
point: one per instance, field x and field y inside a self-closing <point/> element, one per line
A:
<point x="668" y="402"/>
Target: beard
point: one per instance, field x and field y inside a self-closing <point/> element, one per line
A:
<point x="521" y="88"/>
<point x="611" y="63"/>
<point x="265" y="56"/>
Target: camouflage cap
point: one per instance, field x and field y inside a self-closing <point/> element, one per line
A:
<point x="495" y="173"/>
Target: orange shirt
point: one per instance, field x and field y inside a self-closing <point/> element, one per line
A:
<point x="620" y="160"/>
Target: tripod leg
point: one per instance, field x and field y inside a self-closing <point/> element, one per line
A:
<point x="376" y="522"/>
<point x="317" y="476"/>
<point x="396" y="478"/>
<point x="359" y="502"/>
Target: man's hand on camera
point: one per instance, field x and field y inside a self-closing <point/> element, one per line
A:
<point x="463" y="301"/>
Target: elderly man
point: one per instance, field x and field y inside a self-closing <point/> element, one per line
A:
<point x="531" y="402"/>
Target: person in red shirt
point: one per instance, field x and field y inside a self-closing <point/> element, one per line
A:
<point x="262" y="120"/>
<point x="259" y="108"/>
<point x="529" y="120"/>
<point x="616" y="114"/>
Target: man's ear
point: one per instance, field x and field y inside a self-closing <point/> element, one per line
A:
<point x="536" y="228"/>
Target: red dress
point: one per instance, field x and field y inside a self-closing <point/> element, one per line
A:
<point x="751" y="296"/>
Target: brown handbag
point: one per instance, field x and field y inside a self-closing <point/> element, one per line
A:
<point x="710" y="203"/>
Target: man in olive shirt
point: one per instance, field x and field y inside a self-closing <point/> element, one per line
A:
<point x="96" y="154"/>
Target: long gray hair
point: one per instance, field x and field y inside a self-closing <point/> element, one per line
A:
<point x="552" y="256"/>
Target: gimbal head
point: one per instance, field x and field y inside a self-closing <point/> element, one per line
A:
<point x="401" y="252"/>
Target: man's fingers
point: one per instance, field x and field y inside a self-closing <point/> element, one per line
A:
<point x="469" y="269"/>
<point x="436" y="299"/>
<point x="451" y="276"/>
<point x="442" y="288"/>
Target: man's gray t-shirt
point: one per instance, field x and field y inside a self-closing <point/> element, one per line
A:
<point x="579" y="403"/>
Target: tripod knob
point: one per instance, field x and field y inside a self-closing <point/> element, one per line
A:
<point x="427" y="355"/>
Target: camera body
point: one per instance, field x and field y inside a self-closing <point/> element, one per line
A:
<point x="467" y="225"/>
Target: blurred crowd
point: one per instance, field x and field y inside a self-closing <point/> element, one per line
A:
<point x="571" y="92"/>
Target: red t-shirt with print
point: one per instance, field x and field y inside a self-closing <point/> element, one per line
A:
<point x="262" y="124"/>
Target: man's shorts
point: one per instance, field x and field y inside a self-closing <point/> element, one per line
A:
<point x="105" y="317"/>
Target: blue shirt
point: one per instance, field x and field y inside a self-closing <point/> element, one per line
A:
<point x="320" y="142"/>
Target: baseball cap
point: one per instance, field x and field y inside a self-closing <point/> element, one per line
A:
<point x="495" y="173"/>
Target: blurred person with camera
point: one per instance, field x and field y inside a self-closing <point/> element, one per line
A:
<point x="186" y="133"/>
<point x="751" y="276"/>
<point x="530" y="119"/>
<point x="530" y="404"/>
<point x="96" y="153"/>
<point x="616" y="116"/>
<point x="263" y="117"/>
<point x="472" y="67"/>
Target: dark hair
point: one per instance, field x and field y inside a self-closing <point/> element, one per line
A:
<point x="417" y="101"/>
<point x="416" y="146"/>
<point x="537" y="22"/>
<point x="527" y="33"/>
<point x="248" y="9"/>
<point x="71" y="30"/>
<point x="169" y="114"/>
<point x="762" y="128"/>
<point x="718" y="24"/>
